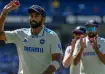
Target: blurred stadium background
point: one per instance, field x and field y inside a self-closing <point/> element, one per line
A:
<point x="62" y="16"/>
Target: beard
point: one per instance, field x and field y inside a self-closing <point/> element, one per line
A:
<point x="92" y="35"/>
<point x="35" y="24"/>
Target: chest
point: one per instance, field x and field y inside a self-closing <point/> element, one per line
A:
<point x="35" y="42"/>
<point x="32" y="44"/>
<point x="89" y="51"/>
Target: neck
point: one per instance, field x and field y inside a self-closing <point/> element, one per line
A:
<point x="36" y="30"/>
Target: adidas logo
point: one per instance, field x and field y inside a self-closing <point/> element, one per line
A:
<point x="25" y="40"/>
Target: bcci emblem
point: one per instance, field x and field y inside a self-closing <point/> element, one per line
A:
<point x="42" y="41"/>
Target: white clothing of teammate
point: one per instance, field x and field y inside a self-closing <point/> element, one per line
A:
<point x="73" y="69"/>
<point x="90" y="61"/>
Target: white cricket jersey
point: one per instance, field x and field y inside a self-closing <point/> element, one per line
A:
<point x="73" y="69"/>
<point x="90" y="60"/>
<point x="35" y="51"/>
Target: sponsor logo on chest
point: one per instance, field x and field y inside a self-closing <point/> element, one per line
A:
<point x="33" y="49"/>
<point x="34" y="46"/>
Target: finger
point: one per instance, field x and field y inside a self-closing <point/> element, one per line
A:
<point x="84" y="40"/>
<point x="10" y="4"/>
<point x="9" y="7"/>
<point x="73" y="41"/>
<point x="92" y="39"/>
<point x="95" y="39"/>
<point x="81" y="41"/>
<point x="81" y="36"/>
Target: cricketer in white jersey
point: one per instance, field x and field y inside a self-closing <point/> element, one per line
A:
<point x="90" y="61"/>
<point x="91" y="50"/>
<point x="39" y="48"/>
<point x="73" y="69"/>
<point x="35" y="51"/>
<point x="68" y="57"/>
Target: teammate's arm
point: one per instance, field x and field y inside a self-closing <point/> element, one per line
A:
<point x="101" y="55"/>
<point x="6" y="9"/>
<point x="78" y="51"/>
<point x="56" y="53"/>
<point x="68" y="57"/>
<point x="67" y="60"/>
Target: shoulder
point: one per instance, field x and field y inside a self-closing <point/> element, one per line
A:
<point x="68" y="48"/>
<point x="51" y="32"/>
<point x="101" y="39"/>
<point x="22" y="30"/>
<point x="19" y="31"/>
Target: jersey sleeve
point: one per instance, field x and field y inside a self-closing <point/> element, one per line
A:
<point x="68" y="51"/>
<point x="56" y="45"/>
<point x="10" y="36"/>
<point x="77" y="47"/>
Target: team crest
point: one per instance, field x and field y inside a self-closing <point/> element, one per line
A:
<point x="42" y="41"/>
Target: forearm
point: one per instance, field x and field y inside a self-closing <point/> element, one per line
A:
<point x="100" y="56"/>
<point x="2" y="22"/>
<point x="78" y="57"/>
<point x="2" y="19"/>
<point x="67" y="61"/>
<point x="54" y="65"/>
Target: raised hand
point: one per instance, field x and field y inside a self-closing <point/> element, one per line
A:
<point x="73" y="42"/>
<point x="82" y="42"/>
<point x="94" y="43"/>
<point x="11" y="6"/>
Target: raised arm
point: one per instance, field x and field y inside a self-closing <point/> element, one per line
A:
<point x="68" y="57"/>
<point x="79" y="51"/>
<point x="7" y="8"/>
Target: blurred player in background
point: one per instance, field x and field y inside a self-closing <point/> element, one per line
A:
<point x="39" y="48"/>
<point x="68" y="58"/>
<point x="91" y="50"/>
